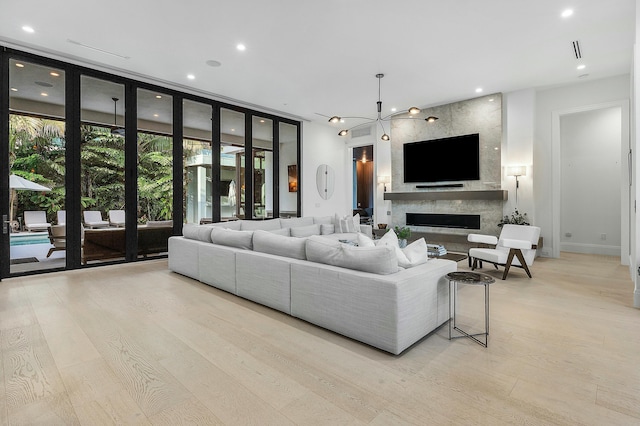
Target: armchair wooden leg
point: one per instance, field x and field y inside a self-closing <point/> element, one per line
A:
<point x="508" y="264"/>
<point x="522" y="261"/>
<point x="475" y="264"/>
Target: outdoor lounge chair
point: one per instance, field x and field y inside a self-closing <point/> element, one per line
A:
<point x="62" y="217"/>
<point x="93" y="219"/>
<point x="57" y="237"/>
<point x="116" y="218"/>
<point x="35" y="221"/>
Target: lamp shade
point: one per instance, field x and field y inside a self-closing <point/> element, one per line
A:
<point x="516" y="171"/>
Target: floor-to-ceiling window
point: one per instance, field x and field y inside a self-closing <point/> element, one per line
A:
<point x="36" y="166"/>
<point x="102" y="148"/>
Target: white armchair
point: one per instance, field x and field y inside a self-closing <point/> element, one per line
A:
<point x="516" y="247"/>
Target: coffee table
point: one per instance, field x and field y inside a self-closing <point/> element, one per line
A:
<point x="470" y="278"/>
<point x="456" y="257"/>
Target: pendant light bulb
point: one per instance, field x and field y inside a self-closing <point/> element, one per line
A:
<point x="335" y="119"/>
<point x="414" y="110"/>
<point x="343" y="133"/>
<point x="385" y="137"/>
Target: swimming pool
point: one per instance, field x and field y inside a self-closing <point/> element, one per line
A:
<point x="27" y="239"/>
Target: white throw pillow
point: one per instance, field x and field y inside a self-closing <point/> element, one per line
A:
<point x="327" y="228"/>
<point x="231" y="238"/>
<point x="391" y="239"/>
<point x="268" y="242"/>
<point x="364" y="241"/>
<point x="305" y="231"/>
<point x="416" y="253"/>
<point x="356" y="223"/>
<point x="346" y="225"/>
<point x="377" y="260"/>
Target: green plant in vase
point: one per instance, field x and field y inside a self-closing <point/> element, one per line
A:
<point x="402" y="233"/>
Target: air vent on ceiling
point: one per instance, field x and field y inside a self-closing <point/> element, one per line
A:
<point x="576" y="49"/>
<point x="361" y="131"/>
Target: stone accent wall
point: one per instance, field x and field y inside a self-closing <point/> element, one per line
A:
<point x="479" y="115"/>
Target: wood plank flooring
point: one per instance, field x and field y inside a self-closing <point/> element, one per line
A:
<point x="137" y="344"/>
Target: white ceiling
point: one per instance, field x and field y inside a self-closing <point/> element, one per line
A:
<point x="304" y="57"/>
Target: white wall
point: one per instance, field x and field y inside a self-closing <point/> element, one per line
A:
<point x="550" y="101"/>
<point x="321" y="145"/>
<point x="517" y="149"/>
<point x="591" y="170"/>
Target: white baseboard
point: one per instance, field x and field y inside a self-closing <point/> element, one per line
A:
<point x="591" y="249"/>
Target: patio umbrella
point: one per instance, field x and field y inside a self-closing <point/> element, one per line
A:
<point x="17" y="183"/>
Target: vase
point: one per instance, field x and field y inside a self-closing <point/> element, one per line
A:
<point x="402" y="243"/>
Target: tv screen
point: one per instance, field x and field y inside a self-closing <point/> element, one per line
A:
<point x="443" y="160"/>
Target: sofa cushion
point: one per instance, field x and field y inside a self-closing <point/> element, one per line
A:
<point x="232" y="224"/>
<point x="296" y="222"/>
<point x="282" y="231"/>
<point x="197" y="232"/>
<point x="268" y="242"/>
<point x="327" y="229"/>
<point x="305" y="231"/>
<point x="231" y="238"/>
<point x="377" y="260"/>
<point x="364" y="241"/>
<point x="265" y="225"/>
<point x="323" y="220"/>
<point x="416" y="253"/>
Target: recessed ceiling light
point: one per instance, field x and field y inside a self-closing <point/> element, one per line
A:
<point x="233" y="130"/>
<point x="54" y="74"/>
<point x="191" y="77"/>
<point x="262" y="121"/>
<point x="213" y="63"/>
<point x="491" y="99"/>
<point x="28" y="29"/>
<point x="241" y="47"/>
<point x="581" y="66"/>
<point x="13" y="89"/>
<point x="155" y="115"/>
<point x="158" y="97"/>
<point x="394" y="109"/>
<point x="479" y="90"/>
<point x="567" y="13"/>
<point x="43" y="94"/>
<point x="342" y="120"/>
<point x="19" y="65"/>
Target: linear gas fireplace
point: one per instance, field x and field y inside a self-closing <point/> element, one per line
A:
<point x="440" y="220"/>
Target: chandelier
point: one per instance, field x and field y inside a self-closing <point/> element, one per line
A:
<point x="379" y="119"/>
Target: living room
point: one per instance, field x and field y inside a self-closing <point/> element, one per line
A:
<point x="134" y="343"/>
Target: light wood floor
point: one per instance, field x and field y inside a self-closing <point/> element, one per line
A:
<point x="137" y="344"/>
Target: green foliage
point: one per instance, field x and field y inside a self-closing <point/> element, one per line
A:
<point x="515" y="219"/>
<point x="402" y="233"/>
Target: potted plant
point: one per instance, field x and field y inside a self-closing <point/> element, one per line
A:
<point x="402" y="233"/>
<point x="516" y="218"/>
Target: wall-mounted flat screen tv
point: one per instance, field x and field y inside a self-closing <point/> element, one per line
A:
<point x="443" y="160"/>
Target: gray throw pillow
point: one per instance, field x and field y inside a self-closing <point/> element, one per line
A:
<point x="305" y="231"/>
<point x="268" y="242"/>
<point x="231" y="238"/>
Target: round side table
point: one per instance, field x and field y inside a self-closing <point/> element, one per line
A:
<point x="470" y="278"/>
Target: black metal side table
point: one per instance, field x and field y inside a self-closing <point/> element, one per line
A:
<point x="471" y="278"/>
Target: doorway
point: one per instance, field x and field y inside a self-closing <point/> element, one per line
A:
<point x="591" y="177"/>
<point x="363" y="183"/>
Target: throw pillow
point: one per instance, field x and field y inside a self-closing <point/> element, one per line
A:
<point x="305" y="231"/>
<point x="265" y="225"/>
<point x="377" y="260"/>
<point x="346" y="225"/>
<point x="281" y="231"/>
<point x="327" y="228"/>
<point x="364" y="241"/>
<point x="268" y="242"/>
<point x="416" y="253"/>
<point x="356" y="222"/>
<point x="231" y="238"/>
<point x="391" y="239"/>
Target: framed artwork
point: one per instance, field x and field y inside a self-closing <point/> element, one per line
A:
<point x="292" y="172"/>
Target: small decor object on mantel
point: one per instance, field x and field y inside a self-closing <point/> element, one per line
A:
<point x="516" y="218"/>
<point x="402" y="233"/>
<point x="382" y="226"/>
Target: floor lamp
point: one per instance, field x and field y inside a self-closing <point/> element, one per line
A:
<point x="517" y="171"/>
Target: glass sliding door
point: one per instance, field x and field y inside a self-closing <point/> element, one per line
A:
<point x="289" y="170"/>
<point x="36" y="167"/>
<point x="262" y="143"/>
<point x="102" y="170"/>
<point x="155" y="172"/>
<point x="196" y="148"/>
<point x="232" y="133"/>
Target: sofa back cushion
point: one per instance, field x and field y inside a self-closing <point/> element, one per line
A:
<point x="296" y="222"/>
<point x="327" y="229"/>
<point x="268" y="242"/>
<point x="281" y="231"/>
<point x="323" y="220"/>
<point x="305" y="231"/>
<point x="231" y="238"/>
<point x="378" y="260"/>
<point x="197" y="232"/>
<point x="265" y="225"/>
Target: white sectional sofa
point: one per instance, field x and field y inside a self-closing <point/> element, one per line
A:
<point x="359" y="292"/>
